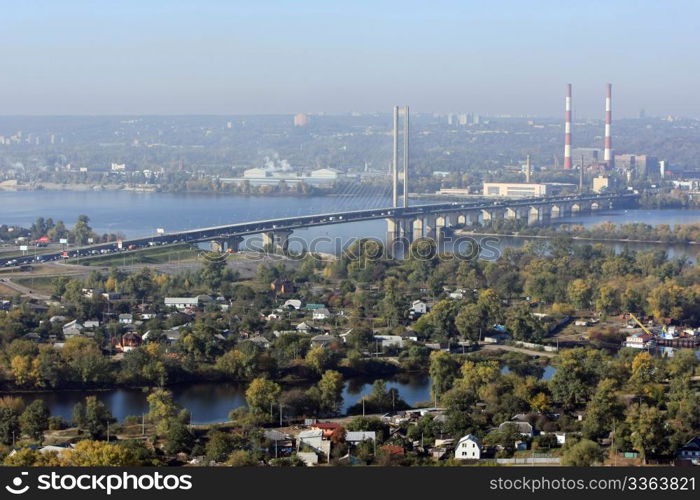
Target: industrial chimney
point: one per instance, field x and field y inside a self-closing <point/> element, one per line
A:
<point x="607" y="153"/>
<point x="567" y="129"/>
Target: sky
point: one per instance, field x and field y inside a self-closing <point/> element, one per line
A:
<point x="288" y="56"/>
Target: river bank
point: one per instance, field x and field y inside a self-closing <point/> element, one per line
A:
<point x="576" y="238"/>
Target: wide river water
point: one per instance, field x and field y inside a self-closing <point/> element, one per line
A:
<point x="139" y="214"/>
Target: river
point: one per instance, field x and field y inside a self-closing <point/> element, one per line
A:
<point x="139" y="214"/>
<point x="211" y="402"/>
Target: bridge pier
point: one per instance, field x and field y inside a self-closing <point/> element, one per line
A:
<point x="399" y="235"/>
<point x="232" y="244"/>
<point x="276" y="241"/>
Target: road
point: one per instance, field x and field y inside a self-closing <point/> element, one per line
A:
<point x="501" y="347"/>
<point x="23" y="290"/>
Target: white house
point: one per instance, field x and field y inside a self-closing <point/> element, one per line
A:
<point x="72" y="329"/>
<point x="419" y="307"/>
<point x="182" y="303"/>
<point x="468" y="447"/>
<point x="390" y="340"/>
<point x="293" y="304"/>
<point x="321" y="314"/>
<point x="356" y="437"/>
<point x="126" y="319"/>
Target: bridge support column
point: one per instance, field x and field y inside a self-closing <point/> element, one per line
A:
<point x="217" y="245"/>
<point x="233" y="243"/>
<point x="276" y="241"/>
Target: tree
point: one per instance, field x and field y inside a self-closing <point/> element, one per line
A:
<point x="178" y="438"/>
<point x="643" y="372"/>
<point x="9" y="425"/>
<point x="219" y="445"/>
<point x="85" y="361"/>
<point x="647" y="424"/>
<point x="241" y="458"/>
<point x="163" y="411"/>
<point x="580" y="293"/>
<point x="585" y="453"/>
<point x="99" y="454"/>
<point x="212" y="272"/>
<point x="443" y="371"/>
<point x="93" y="417"/>
<point x="233" y="364"/>
<point x="602" y="411"/>
<point x="477" y="375"/>
<point x="331" y="390"/>
<point x="35" y="420"/>
<point x="319" y="358"/>
<point x="262" y="394"/>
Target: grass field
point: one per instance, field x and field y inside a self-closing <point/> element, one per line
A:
<point x="41" y="284"/>
<point x="155" y="255"/>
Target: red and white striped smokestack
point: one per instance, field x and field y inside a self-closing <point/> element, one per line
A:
<point x="567" y="129"/>
<point x="607" y="153"/>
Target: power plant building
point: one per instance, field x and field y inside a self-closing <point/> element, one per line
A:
<point x="526" y="190"/>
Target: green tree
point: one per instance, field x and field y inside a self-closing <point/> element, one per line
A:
<point x="9" y="425"/>
<point x="219" y="445"/>
<point x="331" y="390"/>
<point x="648" y="433"/>
<point x="443" y="371"/>
<point x="585" y="453"/>
<point x="178" y="438"/>
<point x="602" y="411"/>
<point x="262" y="395"/>
<point x="93" y="417"/>
<point x="35" y="420"/>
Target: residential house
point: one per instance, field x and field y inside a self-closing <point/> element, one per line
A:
<point x="91" y="293"/>
<point x="259" y="341"/>
<point x="126" y="319"/>
<point x="313" y="438"/>
<point x="390" y="340"/>
<point x="524" y="428"/>
<point x="281" y="443"/>
<point x="690" y="450"/>
<point x="308" y="457"/>
<point x="130" y="341"/>
<point x="304" y="327"/>
<point x="323" y="340"/>
<point x="182" y="303"/>
<point x="327" y="427"/>
<point x="393" y="450"/>
<point x="91" y="323"/>
<point x="321" y="314"/>
<point x="72" y="329"/>
<point x="293" y="304"/>
<point x="33" y="336"/>
<point x="468" y="448"/>
<point x="419" y="307"/>
<point x="356" y="437"/>
<point x="640" y="341"/>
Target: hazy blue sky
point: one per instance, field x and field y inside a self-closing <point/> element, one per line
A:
<point x="258" y="56"/>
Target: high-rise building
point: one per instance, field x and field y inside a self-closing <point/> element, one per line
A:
<point x="301" y="120"/>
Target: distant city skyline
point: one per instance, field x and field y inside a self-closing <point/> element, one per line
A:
<point x="232" y="58"/>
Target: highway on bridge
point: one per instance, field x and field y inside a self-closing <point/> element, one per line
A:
<point x="297" y="222"/>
